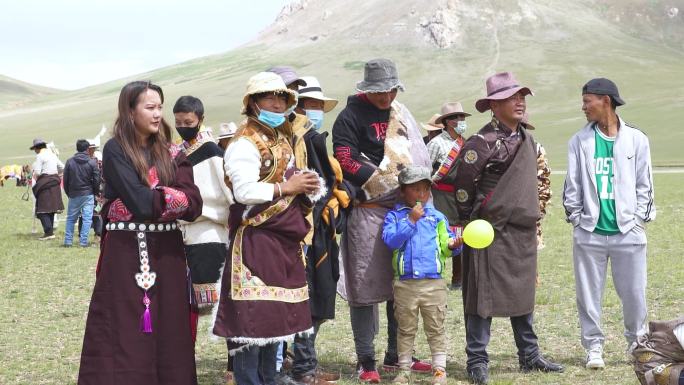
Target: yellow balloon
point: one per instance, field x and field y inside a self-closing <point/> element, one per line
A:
<point x="478" y="234"/>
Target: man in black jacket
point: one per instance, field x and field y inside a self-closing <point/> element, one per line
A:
<point x="81" y="183"/>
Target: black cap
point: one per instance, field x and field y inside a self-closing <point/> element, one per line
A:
<point x="603" y="86"/>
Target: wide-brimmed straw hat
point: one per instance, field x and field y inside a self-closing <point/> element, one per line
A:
<point x="37" y="142"/>
<point x="499" y="87"/>
<point x="450" y="109"/>
<point x="267" y="82"/>
<point x="313" y="90"/>
<point x="432" y="125"/>
<point x="379" y="75"/>
<point x="227" y="130"/>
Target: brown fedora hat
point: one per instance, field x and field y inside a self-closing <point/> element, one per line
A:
<point x="499" y="87"/>
<point x="432" y="124"/>
<point x="450" y="109"/>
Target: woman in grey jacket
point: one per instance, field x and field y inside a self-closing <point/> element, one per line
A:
<point x="608" y="197"/>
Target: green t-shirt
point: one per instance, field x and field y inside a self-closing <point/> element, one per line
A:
<point x="603" y="160"/>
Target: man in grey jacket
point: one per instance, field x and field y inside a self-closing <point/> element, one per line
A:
<point x="608" y="197"/>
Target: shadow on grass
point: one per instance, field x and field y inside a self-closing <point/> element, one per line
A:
<point x="27" y="236"/>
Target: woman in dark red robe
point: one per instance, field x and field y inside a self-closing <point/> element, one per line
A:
<point x="138" y="327"/>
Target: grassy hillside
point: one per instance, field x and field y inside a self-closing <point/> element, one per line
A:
<point x="15" y="93"/>
<point x="551" y="48"/>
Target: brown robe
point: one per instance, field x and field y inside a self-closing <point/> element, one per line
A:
<point x="659" y="357"/>
<point x="499" y="281"/>
<point x="48" y="193"/>
<point x="264" y="293"/>
<point x="115" y="350"/>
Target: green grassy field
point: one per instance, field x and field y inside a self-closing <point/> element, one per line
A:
<point x="45" y="291"/>
<point x="569" y="44"/>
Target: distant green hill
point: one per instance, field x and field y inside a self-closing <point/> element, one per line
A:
<point x="444" y="50"/>
<point x="15" y="93"/>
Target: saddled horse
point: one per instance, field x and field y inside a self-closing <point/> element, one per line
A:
<point x="15" y="171"/>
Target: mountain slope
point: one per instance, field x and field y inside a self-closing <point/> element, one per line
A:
<point x="445" y="49"/>
<point x="14" y="93"/>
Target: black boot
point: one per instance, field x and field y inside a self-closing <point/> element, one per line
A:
<point x="541" y="364"/>
<point x="478" y="375"/>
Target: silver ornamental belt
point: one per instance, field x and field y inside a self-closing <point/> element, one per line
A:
<point x="146" y="277"/>
<point x="134" y="226"/>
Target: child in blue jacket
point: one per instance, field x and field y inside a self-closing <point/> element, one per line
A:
<point x="421" y="241"/>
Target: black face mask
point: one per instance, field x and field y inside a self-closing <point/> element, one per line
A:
<point x="188" y="133"/>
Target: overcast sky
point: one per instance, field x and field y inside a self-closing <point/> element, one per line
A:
<point x="71" y="44"/>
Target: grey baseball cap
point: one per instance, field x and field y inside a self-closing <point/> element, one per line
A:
<point x="413" y="174"/>
<point x="288" y="75"/>
<point x="603" y="86"/>
<point x="379" y="75"/>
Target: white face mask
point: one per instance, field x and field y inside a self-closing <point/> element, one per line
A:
<point x="461" y="127"/>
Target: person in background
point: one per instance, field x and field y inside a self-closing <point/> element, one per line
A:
<point x="322" y="265"/>
<point x="206" y="237"/>
<point x="81" y="184"/>
<point x="47" y="169"/>
<point x="543" y="183"/>
<point x="138" y="326"/>
<point x="225" y="134"/>
<point x="432" y="128"/>
<point x="443" y="150"/>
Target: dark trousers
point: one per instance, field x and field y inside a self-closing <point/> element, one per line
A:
<point x="255" y="365"/>
<point x="364" y="328"/>
<point x="305" y="361"/>
<point x="97" y="224"/>
<point x="47" y="220"/>
<point x="478" y="331"/>
<point x="456" y="272"/>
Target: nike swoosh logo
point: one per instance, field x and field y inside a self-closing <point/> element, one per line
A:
<point x="630" y="157"/>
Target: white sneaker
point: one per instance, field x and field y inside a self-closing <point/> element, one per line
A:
<point x="595" y="358"/>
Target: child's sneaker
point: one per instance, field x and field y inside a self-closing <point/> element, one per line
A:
<point x="439" y="377"/>
<point x="419" y="366"/>
<point x="391" y="364"/>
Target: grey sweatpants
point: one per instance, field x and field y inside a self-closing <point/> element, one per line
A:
<point x="627" y="256"/>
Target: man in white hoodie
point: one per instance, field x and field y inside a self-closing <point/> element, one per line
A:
<point x="608" y="197"/>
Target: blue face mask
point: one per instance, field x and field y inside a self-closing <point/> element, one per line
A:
<point x="461" y="127"/>
<point x="271" y="119"/>
<point x="316" y="118"/>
